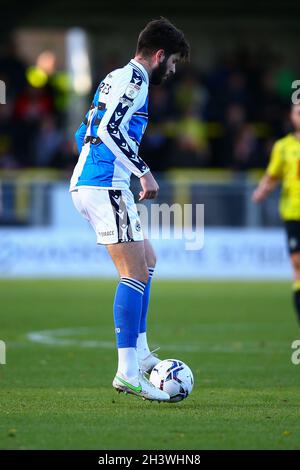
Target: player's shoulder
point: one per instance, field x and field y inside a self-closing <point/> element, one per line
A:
<point x="138" y="72"/>
<point x="127" y="80"/>
<point x="129" y="72"/>
<point x="284" y="141"/>
<point x="281" y="144"/>
<point x="116" y="74"/>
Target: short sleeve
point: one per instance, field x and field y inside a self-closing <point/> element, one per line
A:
<point x="275" y="167"/>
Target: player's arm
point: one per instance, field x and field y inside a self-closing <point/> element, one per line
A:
<point x="149" y="187"/>
<point x="272" y="177"/>
<point x="124" y="101"/>
<point x="81" y="131"/>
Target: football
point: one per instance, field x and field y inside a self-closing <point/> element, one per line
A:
<point x="174" y="377"/>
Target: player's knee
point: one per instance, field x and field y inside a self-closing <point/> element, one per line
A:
<point x="296" y="274"/>
<point x="151" y="261"/>
<point x="149" y="254"/>
<point x="139" y="273"/>
<point x="143" y="275"/>
<point x="296" y="264"/>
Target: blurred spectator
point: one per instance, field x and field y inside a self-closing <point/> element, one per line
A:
<point x="33" y="104"/>
<point x="7" y="158"/>
<point x="30" y="108"/>
<point x="244" y="149"/>
<point x="48" y="142"/>
<point x="190" y="93"/>
<point x="190" y="141"/>
<point x="155" y="146"/>
<point x="6" y="138"/>
<point x="225" y="116"/>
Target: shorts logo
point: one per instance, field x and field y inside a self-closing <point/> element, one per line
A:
<point x="117" y="330"/>
<point x="107" y="234"/>
<point x="124" y="235"/>
<point x="137" y="226"/>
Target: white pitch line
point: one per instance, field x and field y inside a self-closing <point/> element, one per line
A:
<point x="55" y="338"/>
<point x="65" y="337"/>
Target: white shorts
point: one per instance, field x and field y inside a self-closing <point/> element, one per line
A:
<point x="111" y="212"/>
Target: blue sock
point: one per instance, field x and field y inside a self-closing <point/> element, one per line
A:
<point x="127" y="311"/>
<point x="145" y="303"/>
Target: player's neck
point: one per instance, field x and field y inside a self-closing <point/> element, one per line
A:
<point x="297" y="135"/>
<point x="144" y="63"/>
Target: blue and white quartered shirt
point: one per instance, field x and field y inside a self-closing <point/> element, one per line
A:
<point x="109" y="138"/>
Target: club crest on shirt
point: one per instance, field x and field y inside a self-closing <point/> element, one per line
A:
<point x="132" y="90"/>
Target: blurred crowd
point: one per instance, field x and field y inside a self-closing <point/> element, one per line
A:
<point x="225" y="116"/>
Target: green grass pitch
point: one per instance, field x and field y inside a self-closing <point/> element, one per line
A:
<point x="236" y="337"/>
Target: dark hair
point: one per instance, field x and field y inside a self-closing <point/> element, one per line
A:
<point x="162" y="34"/>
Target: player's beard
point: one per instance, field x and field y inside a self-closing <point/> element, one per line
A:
<point x="159" y="75"/>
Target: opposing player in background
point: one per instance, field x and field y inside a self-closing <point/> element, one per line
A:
<point x="284" y="168"/>
<point x="108" y="141"/>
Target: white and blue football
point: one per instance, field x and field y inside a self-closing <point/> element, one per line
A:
<point x="174" y="377"/>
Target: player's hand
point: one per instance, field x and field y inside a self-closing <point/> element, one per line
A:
<point x="258" y="195"/>
<point x="267" y="184"/>
<point x="149" y="187"/>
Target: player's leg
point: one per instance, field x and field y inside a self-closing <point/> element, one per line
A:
<point x="147" y="360"/>
<point x="293" y="237"/>
<point x="295" y="259"/>
<point x="129" y="259"/>
<point x="142" y="343"/>
<point x="114" y="217"/>
<point x="107" y="212"/>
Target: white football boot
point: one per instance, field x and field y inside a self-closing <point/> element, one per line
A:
<point x="147" y="363"/>
<point x="141" y="387"/>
